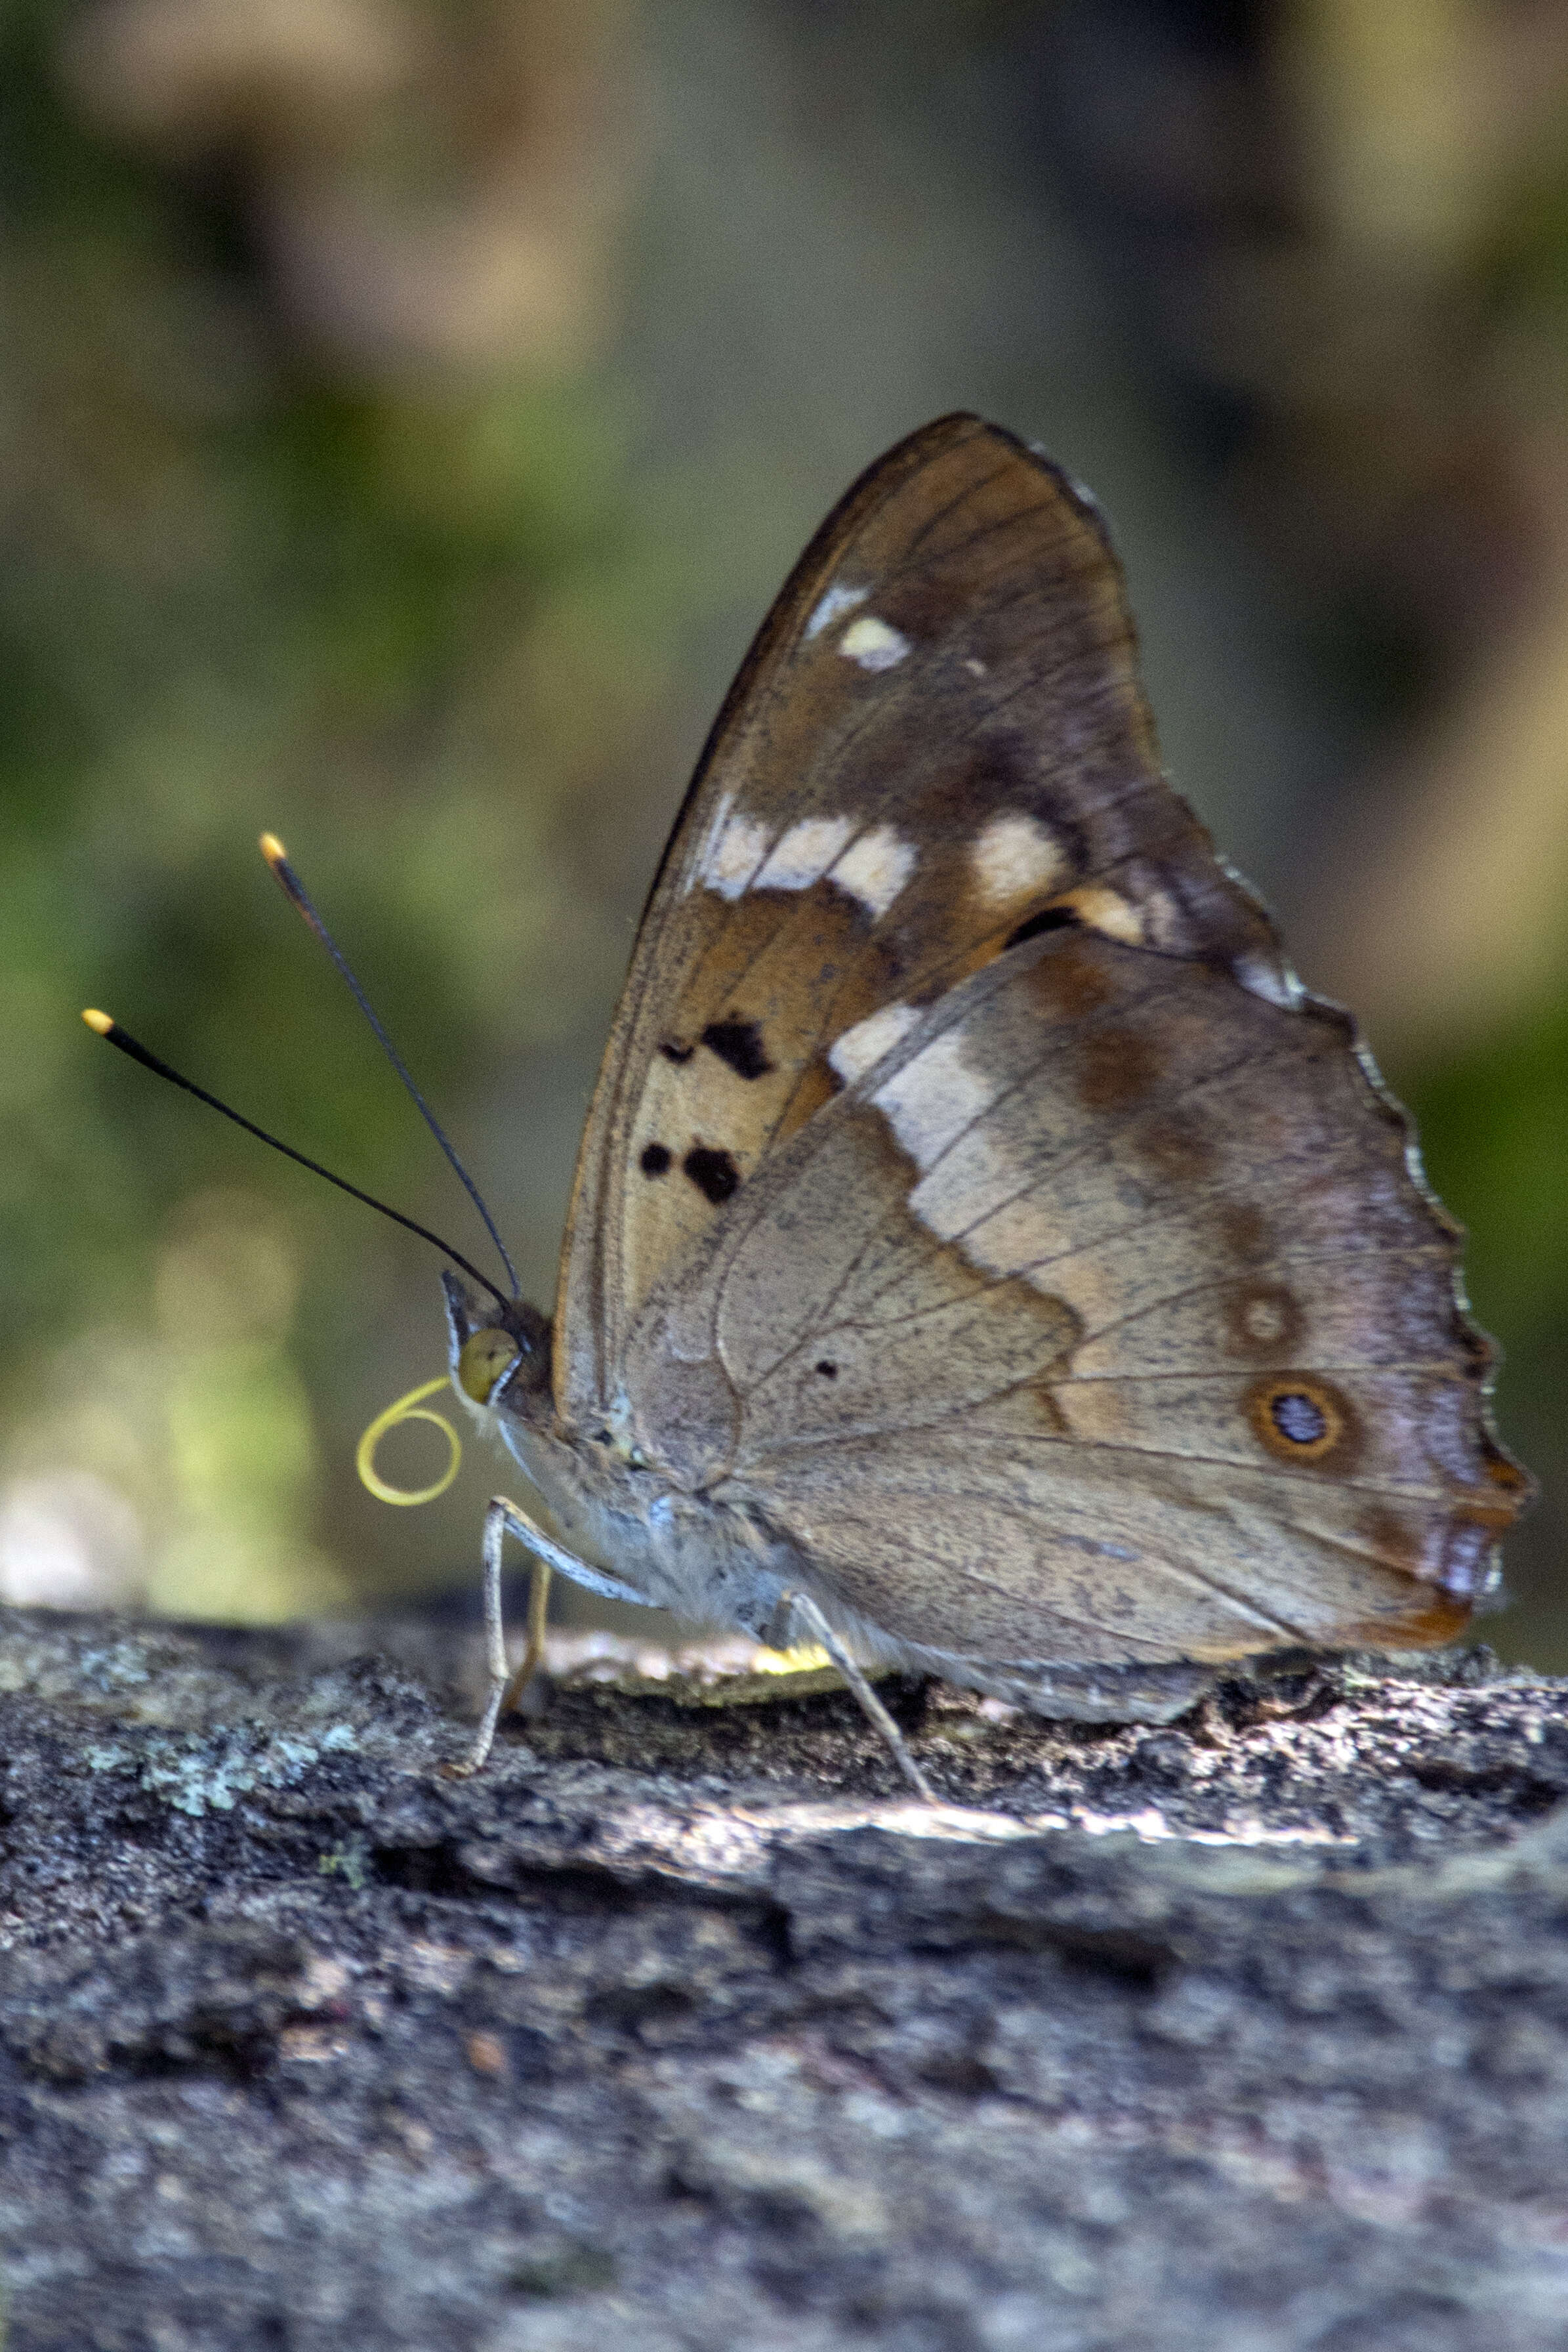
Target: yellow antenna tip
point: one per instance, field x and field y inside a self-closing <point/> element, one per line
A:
<point x="99" y="1021"/>
<point x="272" y="849"/>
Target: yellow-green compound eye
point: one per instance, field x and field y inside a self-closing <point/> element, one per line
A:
<point x="486" y="1358"/>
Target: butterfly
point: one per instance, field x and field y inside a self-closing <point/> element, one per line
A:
<point x="985" y="1254"/>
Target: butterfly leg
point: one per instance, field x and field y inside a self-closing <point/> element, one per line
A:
<point x="806" y="1613"/>
<point x="533" y="1656"/>
<point x="504" y="1519"/>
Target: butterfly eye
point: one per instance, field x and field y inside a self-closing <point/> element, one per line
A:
<point x="485" y="1359"/>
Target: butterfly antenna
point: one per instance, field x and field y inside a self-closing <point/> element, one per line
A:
<point x="276" y="857"/>
<point x="102" y="1026"/>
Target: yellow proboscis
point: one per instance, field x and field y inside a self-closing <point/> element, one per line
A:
<point x="412" y="1407"/>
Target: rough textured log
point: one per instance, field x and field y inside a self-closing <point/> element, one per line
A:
<point x="681" y="2028"/>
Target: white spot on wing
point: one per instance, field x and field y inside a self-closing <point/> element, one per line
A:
<point x="1015" y="856"/>
<point x="716" y="824"/>
<point x="1276" y="984"/>
<point x="874" y="645"/>
<point x="1104" y="909"/>
<point x="732" y="856"/>
<point x="870" y="1039"/>
<point x="803" y="854"/>
<point x="1264" y="1319"/>
<point x="976" y="668"/>
<point x="874" y="868"/>
<point x="837" y="600"/>
<point x="930" y="1102"/>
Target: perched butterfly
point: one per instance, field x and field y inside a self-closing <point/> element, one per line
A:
<point x="984" y="1255"/>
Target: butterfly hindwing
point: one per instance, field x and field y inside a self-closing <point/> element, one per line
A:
<point x="938" y="742"/>
<point x="1100" y="1320"/>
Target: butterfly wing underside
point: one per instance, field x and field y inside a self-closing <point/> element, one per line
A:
<point x="969" y="1188"/>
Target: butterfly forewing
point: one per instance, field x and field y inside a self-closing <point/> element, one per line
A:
<point x="938" y="740"/>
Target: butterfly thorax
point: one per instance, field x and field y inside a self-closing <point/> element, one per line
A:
<point x="635" y="1517"/>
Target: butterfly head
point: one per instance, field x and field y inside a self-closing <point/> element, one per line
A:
<point x="499" y="1356"/>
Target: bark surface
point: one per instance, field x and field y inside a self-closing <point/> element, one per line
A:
<point x="681" y="2028"/>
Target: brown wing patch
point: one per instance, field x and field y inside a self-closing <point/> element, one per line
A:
<point x="1422" y="1620"/>
<point x="1177" y="1147"/>
<point x="1118" y="1068"/>
<point x="1072" y="981"/>
<point x="1244" y="1230"/>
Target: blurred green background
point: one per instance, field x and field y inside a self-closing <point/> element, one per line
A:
<point x="407" y="411"/>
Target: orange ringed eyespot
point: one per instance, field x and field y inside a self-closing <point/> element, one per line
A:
<point x="1297" y="1418"/>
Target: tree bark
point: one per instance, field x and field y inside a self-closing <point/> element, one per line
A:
<point x="681" y="2027"/>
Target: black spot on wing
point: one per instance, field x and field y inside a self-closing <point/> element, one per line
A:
<point x="739" y="1044"/>
<point x="655" y="1160"/>
<point x="673" y="1052"/>
<point x="829" y="1371"/>
<point x="714" y="1172"/>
